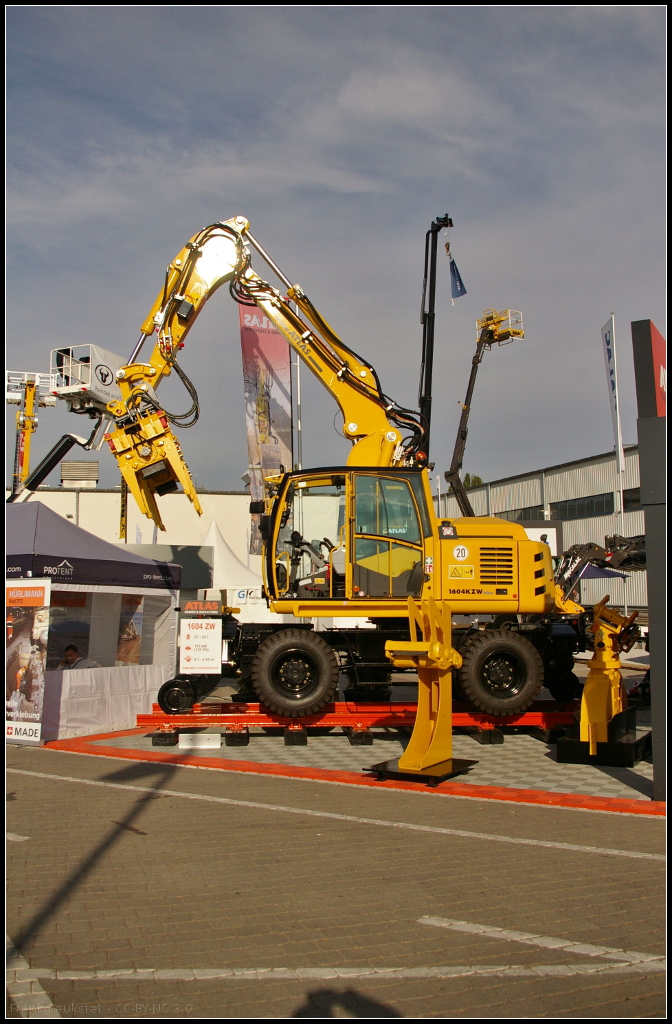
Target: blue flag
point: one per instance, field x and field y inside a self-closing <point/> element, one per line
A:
<point x="456" y="285"/>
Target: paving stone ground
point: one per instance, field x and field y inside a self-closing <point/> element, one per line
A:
<point x="128" y="877"/>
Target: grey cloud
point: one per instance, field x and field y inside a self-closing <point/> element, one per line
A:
<point x="341" y="132"/>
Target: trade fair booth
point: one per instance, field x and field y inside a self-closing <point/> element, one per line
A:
<point x="67" y="589"/>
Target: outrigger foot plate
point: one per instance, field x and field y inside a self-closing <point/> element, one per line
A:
<point x="432" y="775"/>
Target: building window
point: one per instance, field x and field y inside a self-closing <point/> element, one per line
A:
<point x="521" y="514"/>
<point x="583" y="508"/>
<point x="631" y="499"/>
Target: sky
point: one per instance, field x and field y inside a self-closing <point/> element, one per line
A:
<point x="341" y="133"/>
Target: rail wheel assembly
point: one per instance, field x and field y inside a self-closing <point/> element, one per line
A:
<point x="176" y="696"/>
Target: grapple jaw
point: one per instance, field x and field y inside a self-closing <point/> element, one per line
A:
<point x="150" y="460"/>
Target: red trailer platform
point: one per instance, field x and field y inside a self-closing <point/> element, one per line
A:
<point x="357" y="719"/>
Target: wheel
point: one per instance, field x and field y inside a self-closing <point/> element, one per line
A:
<point x="502" y="672"/>
<point x="294" y="673"/>
<point x="176" y="696"/>
<point x="564" y="687"/>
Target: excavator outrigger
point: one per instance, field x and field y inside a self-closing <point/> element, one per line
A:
<point x="383" y="552"/>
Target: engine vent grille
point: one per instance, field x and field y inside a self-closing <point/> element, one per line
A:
<point x="497" y="566"/>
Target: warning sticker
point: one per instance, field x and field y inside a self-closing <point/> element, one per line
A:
<point x="461" y="572"/>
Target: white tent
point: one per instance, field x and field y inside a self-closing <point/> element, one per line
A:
<point x="242" y="585"/>
<point x="228" y="572"/>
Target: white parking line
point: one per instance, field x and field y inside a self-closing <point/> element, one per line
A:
<point x="547" y="941"/>
<point x="227" y="801"/>
<point x="12" y="837"/>
<point x="311" y="973"/>
<point x="23" y="987"/>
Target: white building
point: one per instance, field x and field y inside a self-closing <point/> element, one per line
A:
<point x="583" y="496"/>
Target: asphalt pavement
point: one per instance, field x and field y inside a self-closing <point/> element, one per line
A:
<point x="139" y="889"/>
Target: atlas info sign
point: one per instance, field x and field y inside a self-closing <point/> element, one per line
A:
<point x="27" y="625"/>
<point x="201" y="646"/>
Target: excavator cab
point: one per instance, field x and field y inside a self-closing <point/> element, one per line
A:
<point x="347" y="535"/>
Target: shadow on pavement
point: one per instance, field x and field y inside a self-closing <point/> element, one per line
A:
<point x="627" y="777"/>
<point x="326" y="1002"/>
<point x="133" y="773"/>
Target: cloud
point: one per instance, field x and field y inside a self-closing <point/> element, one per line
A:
<point x="341" y="133"/>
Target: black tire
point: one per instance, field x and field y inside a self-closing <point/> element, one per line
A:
<point x="502" y="672"/>
<point x="294" y="673"/>
<point x="176" y="696"/>
<point x="564" y="687"/>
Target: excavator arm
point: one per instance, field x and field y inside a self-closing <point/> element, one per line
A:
<point x="143" y="442"/>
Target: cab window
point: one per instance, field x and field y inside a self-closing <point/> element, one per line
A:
<point x="385" y="508"/>
<point x="310" y="545"/>
<point x="392" y="565"/>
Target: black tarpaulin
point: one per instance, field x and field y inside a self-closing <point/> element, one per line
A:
<point x="43" y="544"/>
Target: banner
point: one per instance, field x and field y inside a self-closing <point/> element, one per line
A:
<point x="608" y="340"/>
<point x="268" y="404"/>
<point x="659" y="353"/>
<point x="27" y="612"/>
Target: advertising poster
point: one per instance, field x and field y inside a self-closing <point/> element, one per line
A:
<point x="268" y="404"/>
<point x="129" y="639"/>
<point x="659" y="352"/>
<point x="201" y="646"/>
<point x="27" y="611"/>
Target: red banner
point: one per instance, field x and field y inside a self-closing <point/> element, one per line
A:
<point x="268" y="403"/>
<point x="659" y="351"/>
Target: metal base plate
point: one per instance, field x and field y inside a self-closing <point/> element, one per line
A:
<point x="624" y="753"/>
<point x="432" y="775"/>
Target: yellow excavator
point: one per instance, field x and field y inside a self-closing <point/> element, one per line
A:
<point x="383" y="553"/>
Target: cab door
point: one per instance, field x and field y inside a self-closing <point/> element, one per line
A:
<point x="386" y="548"/>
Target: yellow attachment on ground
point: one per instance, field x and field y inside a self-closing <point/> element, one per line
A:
<point x="150" y="460"/>
<point x="604" y="694"/>
<point x="434" y="657"/>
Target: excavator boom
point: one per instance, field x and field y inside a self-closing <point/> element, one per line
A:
<point x="149" y="456"/>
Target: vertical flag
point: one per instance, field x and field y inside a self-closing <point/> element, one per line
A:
<point x="268" y="403"/>
<point x="608" y="339"/>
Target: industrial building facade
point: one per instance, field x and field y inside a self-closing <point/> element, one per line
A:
<point x="582" y="495"/>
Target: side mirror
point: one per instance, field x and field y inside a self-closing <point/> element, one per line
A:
<point x="257" y="508"/>
<point x="265" y="527"/>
